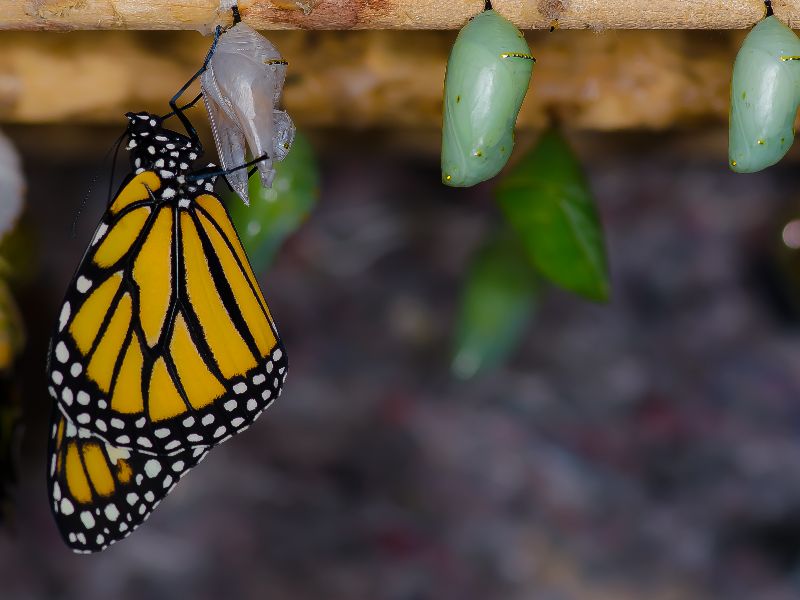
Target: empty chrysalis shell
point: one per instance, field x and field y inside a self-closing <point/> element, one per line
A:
<point x="765" y="93"/>
<point x="488" y="73"/>
<point x="242" y="87"/>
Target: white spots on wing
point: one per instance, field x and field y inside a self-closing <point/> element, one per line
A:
<point x="66" y="396"/>
<point x="72" y="431"/>
<point x="101" y="425"/>
<point x="167" y="174"/>
<point x="188" y="421"/>
<point x="168" y="193"/>
<point x="277" y="354"/>
<point x="252" y="404"/>
<point x="112" y="512"/>
<point x="220" y="431"/>
<point x="144" y="442"/>
<point x="240" y="388"/>
<point x="83" y="418"/>
<point x="52" y="391"/>
<point x="161" y="433"/>
<point x="123" y="527"/>
<point x="123" y="439"/>
<point x="100" y="539"/>
<point x="270" y="366"/>
<point x="152" y="467"/>
<point x="76" y="369"/>
<point x="208" y="419"/>
<point x="266" y="394"/>
<point x="101" y="231"/>
<point x="62" y="354"/>
<point x="151" y="149"/>
<point x="149" y="496"/>
<point x="101" y="404"/>
<point x="115" y="454"/>
<point x="230" y="405"/>
<point x="87" y="519"/>
<point x="57" y="377"/>
<point x="172" y="445"/>
<point x="259" y="379"/>
<point x="83" y="398"/>
<point x="237" y="421"/>
<point x="132" y="498"/>
<point x="167" y="481"/>
<point x="178" y="466"/>
<point x="117" y="423"/>
<point x="159" y="163"/>
<point x="56" y="491"/>
<point x="83" y="284"/>
<point x="67" y="507"/>
<point x="64" y="316"/>
<point x="193" y="437"/>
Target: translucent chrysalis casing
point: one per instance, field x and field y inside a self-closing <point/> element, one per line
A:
<point x="765" y="93"/>
<point x="488" y="73"/>
<point x="242" y="87"/>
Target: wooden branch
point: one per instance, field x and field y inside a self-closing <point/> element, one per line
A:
<point x="387" y="79"/>
<point x="388" y="14"/>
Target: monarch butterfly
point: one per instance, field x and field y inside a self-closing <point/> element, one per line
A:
<point x="488" y="73"/>
<point x="164" y="345"/>
<point x="765" y="93"/>
<point x="164" y="340"/>
<point x="101" y="493"/>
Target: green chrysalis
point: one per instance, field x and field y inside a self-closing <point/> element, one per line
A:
<point x="488" y="73"/>
<point x="765" y="93"/>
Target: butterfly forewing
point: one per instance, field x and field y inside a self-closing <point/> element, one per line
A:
<point x="164" y="341"/>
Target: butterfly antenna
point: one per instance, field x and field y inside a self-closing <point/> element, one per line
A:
<point x="115" y="147"/>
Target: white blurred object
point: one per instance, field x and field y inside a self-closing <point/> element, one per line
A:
<point x="12" y="186"/>
<point x="242" y="87"/>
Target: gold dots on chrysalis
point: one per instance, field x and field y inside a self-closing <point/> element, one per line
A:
<point x="733" y="163"/>
<point x="517" y="55"/>
<point x="760" y="142"/>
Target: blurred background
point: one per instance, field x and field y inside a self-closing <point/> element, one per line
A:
<point x="648" y="447"/>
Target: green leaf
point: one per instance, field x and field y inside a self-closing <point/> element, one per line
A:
<point x="277" y="212"/>
<point x="498" y="300"/>
<point x="547" y="201"/>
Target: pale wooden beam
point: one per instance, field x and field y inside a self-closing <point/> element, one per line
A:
<point x="615" y="80"/>
<point x="387" y="14"/>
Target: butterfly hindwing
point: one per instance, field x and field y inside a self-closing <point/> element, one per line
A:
<point x="164" y="341"/>
<point x="101" y="493"/>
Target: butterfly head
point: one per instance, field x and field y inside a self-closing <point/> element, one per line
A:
<point x="154" y="148"/>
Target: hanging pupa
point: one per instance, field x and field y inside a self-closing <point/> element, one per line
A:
<point x="765" y="93"/>
<point x="242" y="88"/>
<point x="488" y="73"/>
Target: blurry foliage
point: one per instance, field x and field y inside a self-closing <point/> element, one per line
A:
<point x="547" y="201"/>
<point x="277" y="212"/>
<point x="19" y="253"/>
<point x="555" y="233"/>
<point x="497" y="303"/>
